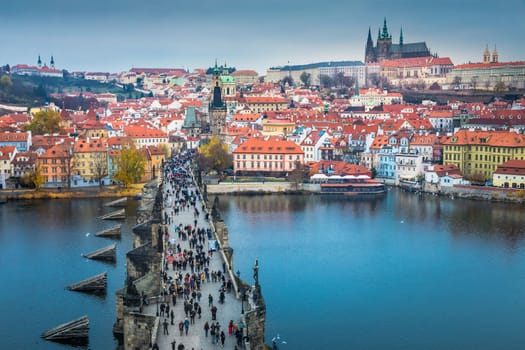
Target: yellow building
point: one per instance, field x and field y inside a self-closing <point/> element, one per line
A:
<point x="277" y="127"/>
<point x="510" y="174"/>
<point x="479" y="153"/>
<point x="90" y="160"/>
<point x="154" y="159"/>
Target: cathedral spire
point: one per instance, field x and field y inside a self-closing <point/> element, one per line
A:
<point x="39" y="62"/>
<point x="369" y="50"/>
<point x="385" y="35"/>
<point x="52" y="62"/>
<point x="401" y="37"/>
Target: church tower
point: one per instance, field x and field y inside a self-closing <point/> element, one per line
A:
<point x="217" y="108"/>
<point x="495" y="56"/>
<point x="383" y="44"/>
<point x="486" y="55"/>
<point x="39" y="62"/>
<point x="370" y="55"/>
<point x="52" y="62"/>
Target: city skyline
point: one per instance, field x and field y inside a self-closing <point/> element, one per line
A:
<point x="114" y="36"/>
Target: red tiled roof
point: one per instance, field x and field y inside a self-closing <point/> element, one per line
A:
<point x="271" y="146"/>
<point x="489" y="65"/>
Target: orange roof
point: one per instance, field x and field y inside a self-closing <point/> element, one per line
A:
<point x="270" y="146"/>
<point x="264" y="99"/>
<point x="88" y="146"/>
<point x="488" y="138"/>
<point x="244" y="72"/>
<point x="512" y="167"/>
<point x="339" y="168"/>
<point x="489" y="65"/>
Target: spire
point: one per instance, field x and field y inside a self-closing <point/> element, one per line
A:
<point x="369" y="40"/>
<point x="216" y="69"/>
<point x="495" y="56"/>
<point x="52" y="62"/>
<point x="486" y="55"/>
<point x="39" y="62"/>
<point x="378" y="33"/>
<point x="369" y="50"/>
<point x="401" y="37"/>
<point x="385" y="35"/>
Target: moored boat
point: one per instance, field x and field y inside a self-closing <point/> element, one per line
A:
<point x="352" y="187"/>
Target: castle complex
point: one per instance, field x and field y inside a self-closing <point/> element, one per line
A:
<point x="386" y="50"/>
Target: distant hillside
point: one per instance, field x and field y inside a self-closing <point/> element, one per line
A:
<point x="34" y="91"/>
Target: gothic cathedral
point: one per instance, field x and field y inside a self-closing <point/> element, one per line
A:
<point x="386" y="50"/>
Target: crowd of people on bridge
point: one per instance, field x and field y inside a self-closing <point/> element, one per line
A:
<point x="187" y="259"/>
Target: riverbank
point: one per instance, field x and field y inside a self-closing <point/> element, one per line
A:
<point x="480" y="193"/>
<point x="80" y="192"/>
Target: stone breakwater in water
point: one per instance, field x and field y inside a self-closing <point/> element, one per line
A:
<point x="139" y="325"/>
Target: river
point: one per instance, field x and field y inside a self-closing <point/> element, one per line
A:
<point x="398" y="272"/>
<point x="41" y="243"/>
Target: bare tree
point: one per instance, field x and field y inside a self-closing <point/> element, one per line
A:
<point x="100" y="166"/>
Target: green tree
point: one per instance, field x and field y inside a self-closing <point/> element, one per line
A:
<point x="214" y="155"/>
<point x="45" y="122"/>
<point x="306" y="78"/>
<point x="288" y="80"/>
<point x="326" y="81"/>
<point x="131" y="166"/>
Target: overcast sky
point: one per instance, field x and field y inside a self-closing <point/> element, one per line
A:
<point x="116" y="35"/>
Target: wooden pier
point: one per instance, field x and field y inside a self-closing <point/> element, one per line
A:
<point x="108" y="253"/>
<point x="113" y="231"/>
<point x="114" y="215"/>
<point x="75" y="331"/>
<point x="95" y="284"/>
<point x="121" y="202"/>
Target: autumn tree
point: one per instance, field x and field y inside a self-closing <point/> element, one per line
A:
<point x="45" y="122"/>
<point x="165" y="149"/>
<point x="33" y="179"/>
<point x="130" y="165"/>
<point x="214" y="155"/>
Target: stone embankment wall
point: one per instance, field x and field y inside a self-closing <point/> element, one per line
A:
<point x="143" y="263"/>
<point x="260" y="187"/>
<point x="479" y="193"/>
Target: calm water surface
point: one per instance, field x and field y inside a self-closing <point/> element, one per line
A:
<point x="399" y="272"/>
<point x="41" y="243"/>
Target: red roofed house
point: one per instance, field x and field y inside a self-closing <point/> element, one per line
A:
<point x="7" y="156"/>
<point x="56" y="165"/>
<point x="90" y="162"/>
<point x="144" y="136"/>
<point x="443" y="176"/>
<point x="245" y="77"/>
<point x="260" y="156"/>
<point x="510" y="174"/>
